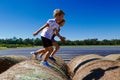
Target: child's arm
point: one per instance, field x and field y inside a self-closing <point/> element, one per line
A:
<point x="60" y="37"/>
<point x="39" y="30"/>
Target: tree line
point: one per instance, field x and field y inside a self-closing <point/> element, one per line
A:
<point x="19" y="42"/>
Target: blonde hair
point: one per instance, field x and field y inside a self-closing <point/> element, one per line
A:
<point x="58" y="12"/>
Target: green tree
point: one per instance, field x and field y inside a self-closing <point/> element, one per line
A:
<point x="37" y="42"/>
<point x="28" y="41"/>
<point x="19" y="41"/>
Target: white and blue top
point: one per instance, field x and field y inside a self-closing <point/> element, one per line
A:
<point x="49" y="31"/>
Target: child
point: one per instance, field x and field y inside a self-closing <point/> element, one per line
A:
<point x="47" y="32"/>
<point x="54" y="42"/>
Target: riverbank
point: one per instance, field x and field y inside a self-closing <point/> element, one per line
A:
<point x="66" y="52"/>
<point x="87" y="46"/>
<point x="3" y="48"/>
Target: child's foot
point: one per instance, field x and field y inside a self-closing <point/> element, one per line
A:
<point x="39" y="57"/>
<point x="52" y="58"/>
<point x="34" y="56"/>
<point x="45" y="63"/>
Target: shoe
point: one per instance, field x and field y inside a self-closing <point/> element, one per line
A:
<point x="45" y="63"/>
<point x="52" y="58"/>
<point x="32" y="52"/>
<point x="34" y="56"/>
<point x="39" y="57"/>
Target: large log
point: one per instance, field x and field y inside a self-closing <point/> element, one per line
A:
<point x="59" y="64"/>
<point x="113" y="57"/>
<point x="99" y="70"/>
<point x="32" y="70"/>
<point x="7" y="61"/>
<point x="79" y="61"/>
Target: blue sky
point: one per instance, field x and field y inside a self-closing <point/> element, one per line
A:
<point x="85" y="19"/>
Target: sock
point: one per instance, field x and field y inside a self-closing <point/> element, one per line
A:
<point x="51" y="56"/>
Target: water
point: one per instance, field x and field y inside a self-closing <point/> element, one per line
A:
<point x="66" y="53"/>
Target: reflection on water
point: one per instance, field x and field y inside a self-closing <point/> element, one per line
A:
<point x="66" y="53"/>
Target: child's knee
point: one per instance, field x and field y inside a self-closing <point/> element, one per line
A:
<point x="49" y="49"/>
<point x="58" y="47"/>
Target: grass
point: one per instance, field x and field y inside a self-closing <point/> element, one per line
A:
<point x="2" y="48"/>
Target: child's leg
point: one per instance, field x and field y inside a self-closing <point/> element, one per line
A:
<point x="44" y="61"/>
<point x="57" y="47"/>
<point x="49" y="49"/>
<point x="47" y="44"/>
<point x="54" y="51"/>
<point x="40" y="51"/>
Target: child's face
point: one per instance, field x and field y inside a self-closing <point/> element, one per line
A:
<point x="60" y="17"/>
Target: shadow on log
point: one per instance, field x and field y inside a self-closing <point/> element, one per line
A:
<point x="79" y="61"/>
<point x="7" y="61"/>
<point x="96" y="74"/>
<point x="99" y="70"/>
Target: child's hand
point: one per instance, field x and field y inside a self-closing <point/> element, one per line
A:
<point x="62" y="39"/>
<point x="34" y="34"/>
